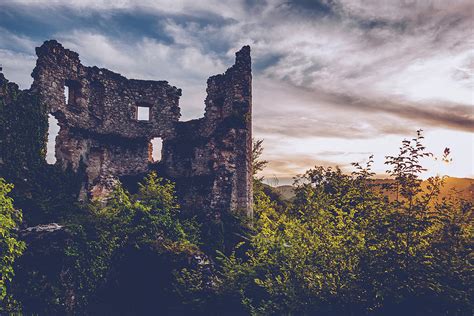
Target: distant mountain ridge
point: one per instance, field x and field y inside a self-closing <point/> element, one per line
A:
<point x="464" y="187"/>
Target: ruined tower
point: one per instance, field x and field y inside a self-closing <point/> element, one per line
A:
<point x="102" y="134"/>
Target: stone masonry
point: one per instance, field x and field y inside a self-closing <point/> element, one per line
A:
<point x="102" y="135"/>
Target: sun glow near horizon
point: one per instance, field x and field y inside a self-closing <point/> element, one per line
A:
<point x="341" y="152"/>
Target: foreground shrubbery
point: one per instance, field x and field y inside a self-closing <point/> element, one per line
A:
<point x="10" y="247"/>
<point x="102" y="261"/>
<point x="343" y="246"/>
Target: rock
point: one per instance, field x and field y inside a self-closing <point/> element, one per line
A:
<point x="48" y="228"/>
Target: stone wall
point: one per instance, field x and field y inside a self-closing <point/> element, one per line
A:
<point x="214" y="152"/>
<point x="98" y="117"/>
<point x="101" y="133"/>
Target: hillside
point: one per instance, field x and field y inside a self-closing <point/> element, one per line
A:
<point x="463" y="186"/>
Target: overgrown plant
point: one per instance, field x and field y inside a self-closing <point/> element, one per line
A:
<point x="94" y="258"/>
<point x="346" y="247"/>
<point x="10" y="246"/>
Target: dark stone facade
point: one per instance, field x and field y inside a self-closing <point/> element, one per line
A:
<point x="101" y="135"/>
<point x="213" y="153"/>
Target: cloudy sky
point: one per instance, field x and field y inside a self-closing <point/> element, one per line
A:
<point x="334" y="80"/>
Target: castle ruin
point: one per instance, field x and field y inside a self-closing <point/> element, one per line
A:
<point x="107" y="123"/>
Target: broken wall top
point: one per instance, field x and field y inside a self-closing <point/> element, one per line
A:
<point x="101" y="101"/>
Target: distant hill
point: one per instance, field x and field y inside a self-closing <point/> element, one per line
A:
<point x="286" y="191"/>
<point x="464" y="187"/>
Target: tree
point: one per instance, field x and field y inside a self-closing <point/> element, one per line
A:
<point x="257" y="151"/>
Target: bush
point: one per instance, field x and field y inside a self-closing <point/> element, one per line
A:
<point x="346" y="246"/>
<point x="10" y="247"/>
<point x="90" y="265"/>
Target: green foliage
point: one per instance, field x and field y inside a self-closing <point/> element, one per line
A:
<point x="150" y="214"/>
<point x="98" y="242"/>
<point x="10" y="247"/>
<point x="257" y="151"/>
<point x="24" y="129"/>
<point x="148" y="218"/>
<point x="406" y="168"/>
<point x="44" y="192"/>
<point x="344" y="248"/>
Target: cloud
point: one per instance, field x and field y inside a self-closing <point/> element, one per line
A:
<point x="285" y="167"/>
<point x="229" y="8"/>
<point x="19" y="43"/>
<point x="324" y="71"/>
<point x="186" y="67"/>
<point x="289" y="111"/>
<point x="16" y="66"/>
<point x="435" y="113"/>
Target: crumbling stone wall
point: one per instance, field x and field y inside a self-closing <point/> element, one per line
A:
<point x="41" y="190"/>
<point x="98" y="123"/>
<point x="100" y="134"/>
<point x="214" y="153"/>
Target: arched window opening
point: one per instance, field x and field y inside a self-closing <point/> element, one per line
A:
<point x="53" y="131"/>
<point x="156" y="146"/>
